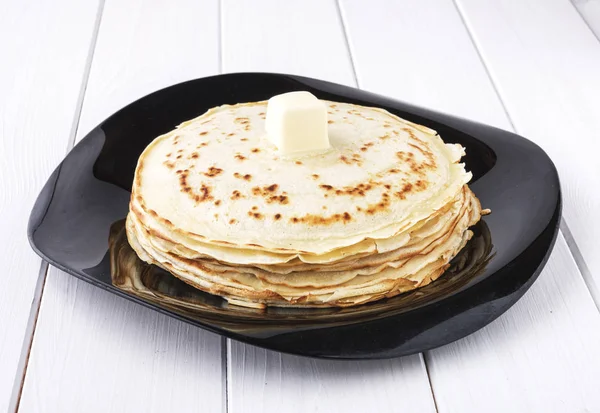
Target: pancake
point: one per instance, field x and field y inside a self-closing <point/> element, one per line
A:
<point x="383" y="211"/>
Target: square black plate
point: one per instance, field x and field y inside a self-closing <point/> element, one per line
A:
<point x="88" y="194"/>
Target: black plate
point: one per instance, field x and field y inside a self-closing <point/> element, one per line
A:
<point x="88" y="194"/>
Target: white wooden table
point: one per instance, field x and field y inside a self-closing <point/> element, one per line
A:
<point x="527" y="65"/>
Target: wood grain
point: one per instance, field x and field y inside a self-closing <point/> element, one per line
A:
<point x="545" y="62"/>
<point x="467" y="375"/>
<point x="44" y="49"/>
<point x="94" y="351"/>
<point x="309" y="40"/>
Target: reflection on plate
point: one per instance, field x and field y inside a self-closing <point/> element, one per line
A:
<point x="149" y="282"/>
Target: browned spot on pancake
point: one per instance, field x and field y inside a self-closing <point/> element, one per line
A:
<point x="232" y="221"/>
<point x="384" y="137"/>
<point x="330" y="122"/>
<point x="387" y="186"/>
<point x="203" y="133"/>
<point x="261" y="114"/>
<point x="315" y="176"/>
<point x="270" y="195"/>
<point x="194" y="155"/>
<point x="246" y="177"/>
<point x="313" y="219"/>
<point x="240" y="157"/>
<point x="382" y="205"/>
<point x="244" y="139"/>
<point x="358" y="190"/>
<point x="202" y="144"/>
<point x="169" y="165"/>
<point x="236" y="195"/>
<point x="354" y="159"/>
<point x="333" y="105"/>
<point x="218" y="202"/>
<point x="387" y="125"/>
<point x="205" y="193"/>
<point x="216" y="215"/>
<point x="241" y="121"/>
<point x="394" y="171"/>
<point x="247" y="127"/>
<point x="169" y="155"/>
<point x="277" y="217"/>
<point x="179" y="156"/>
<point x="213" y="171"/>
<point x="231" y="134"/>
<point x="298" y="163"/>
<point x="406" y="188"/>
<point x="421" y="185"/>
<point x="256" y="215"/>
<point x="370" y="118"/>
<point x="255" y="150"/>
<point x="366" y="146"/>
<point x="254" y="208"/>
<point x="153" y="213"/>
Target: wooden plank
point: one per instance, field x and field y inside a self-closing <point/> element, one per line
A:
<point x="590" y="12"/>
<point x="550" y="86"/>
<point x="44" y="50"/>
<point x="277" y="37"/>
<point x="270" y="35"/>
<point x="421" y="54"/>
<point x="267" y="381"/>
<point x="541" y="356"/>
<point x="459" y="85"/>
<point x="94" y="351"/>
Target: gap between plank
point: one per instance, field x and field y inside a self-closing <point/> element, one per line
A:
<point x="224" y="373"/>
<point x="580" y="262"/>
<point x="424" y="357"/>
<point x="34" y="311"/>
<point x="43" y="273"/>
<point x="564" y="228"/>
<point x="584" y="19"/>
<point x="347" y="41"/>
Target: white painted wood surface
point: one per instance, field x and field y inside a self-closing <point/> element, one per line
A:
<point x="590" y="12"/>
<point x="96" y="352"/>
<point x="267" y="381"/>
<point x="93" y="351"/>
<point x="454" y="80"/>
<point x="545" y="63"/>
<point x="275" y="36"/>
<point x="44" y="48"/>
<point x="540" y="356"/>
<point x="290" y="383"/>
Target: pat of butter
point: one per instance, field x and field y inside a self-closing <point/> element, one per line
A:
<point x="297" y="122"/>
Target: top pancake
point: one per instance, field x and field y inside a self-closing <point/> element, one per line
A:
<point x="217" y="181"/>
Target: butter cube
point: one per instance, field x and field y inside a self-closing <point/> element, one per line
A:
<point x="297" y="122"/>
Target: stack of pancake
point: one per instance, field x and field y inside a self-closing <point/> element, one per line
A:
<point x="380" y="213"/>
